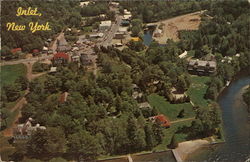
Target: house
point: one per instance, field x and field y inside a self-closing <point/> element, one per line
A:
<point x="161" y="119"/>
<point x="52" y="69"/>
<point x="183" y="55"/>
<point x="102" y="16"/>
<point x="60" y="58"/>
<point x="15" y="50"/>
<point x="105" y="25"/>
<point x="62" y="45"/>
<point x="114" y="4"/>
<point x="63" y="97"/>
<point x="201" y="67"/>
<point x="25" y="130"/>
<point x="126" y="17"/>
<point x="144" y="105"/>
<point x="45" y="49"/>
<point x="126" y="12"/>
<point x="86" y="3"/>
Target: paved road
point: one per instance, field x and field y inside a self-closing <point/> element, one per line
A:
<point x="112" y="31"/>
<point x="107" y="40"/>
<point x="26" y="60"/>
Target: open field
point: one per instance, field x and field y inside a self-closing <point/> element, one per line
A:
<point x="170" y="110"/>
<point x="172" y="26"/>
<point x="198" y="89"/>
<point x="169" y="132"/>
<point x="9" y="73"/>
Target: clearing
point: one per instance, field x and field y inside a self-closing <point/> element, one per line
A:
<point x="9" y="73"/>
<point x="197" y="90"/>
<point x="170" y="110"/>
<point x="173" y="25"/>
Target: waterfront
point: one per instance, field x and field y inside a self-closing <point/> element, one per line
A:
<point x="236" y="124"/>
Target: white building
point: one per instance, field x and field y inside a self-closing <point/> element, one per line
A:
<point x="127" y="17"/>
<point x="105" y="25"/>
<point x="86" y="3"/>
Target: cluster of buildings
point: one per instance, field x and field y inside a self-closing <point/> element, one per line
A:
<point x="25" y="130"/>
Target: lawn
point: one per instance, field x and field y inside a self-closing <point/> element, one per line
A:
<point x="198" y="89"/>
<point x="170" y="110"/>
<point x="169" y="132"/>
<point x="9" y="73"/>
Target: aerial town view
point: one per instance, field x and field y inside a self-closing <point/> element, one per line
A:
<point x="125" y="81"/>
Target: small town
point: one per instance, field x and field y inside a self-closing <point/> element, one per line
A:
<point x="125" y="81"/>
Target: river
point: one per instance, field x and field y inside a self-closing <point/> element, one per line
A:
<point x="236" y="123"/>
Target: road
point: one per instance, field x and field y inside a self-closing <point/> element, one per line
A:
<point x="53" y="47"/>
<point x="26" y="60"/>
<point x="107" y="40"/>
<point x="181" y="120"/>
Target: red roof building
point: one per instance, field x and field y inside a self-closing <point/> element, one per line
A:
<point x="61" y="55"/>
<point x="60" y="58"/>
<point x="162" y="120"/>
<point x="16" y="50"/>
<point x="35" y="51"/>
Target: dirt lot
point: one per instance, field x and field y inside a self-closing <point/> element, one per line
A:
<point x="171" y="26"/>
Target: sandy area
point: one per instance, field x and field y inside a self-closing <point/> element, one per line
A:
<point x="188" y="147"/>
<point x="172" y="26"/>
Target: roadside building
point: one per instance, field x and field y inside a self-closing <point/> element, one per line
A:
<point x="202" y="67"/>
<point x="127" y="17"/>
<point x="86" y="60"/>
<point x="75" y="58"/>
<point x="60" y="58"/>
<point x="45" y="49"/>
<point x="135" y="39"/>
<point x="123" y="30"/>
<point x="161" y="119"/>
<point x="62" y="45"/>
<point x="15" y="50"/>
<point x="119" y="35"/>
<point x="125" y="23"/>
<point x="105" y="25"/>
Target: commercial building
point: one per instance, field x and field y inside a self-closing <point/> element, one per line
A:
<point x="105" y="25"/>
<point x="202" y="67"/>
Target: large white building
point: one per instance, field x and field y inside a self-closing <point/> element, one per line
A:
<point x="105" y="25"/>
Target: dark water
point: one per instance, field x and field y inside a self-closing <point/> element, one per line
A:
<point x="147" y="37"/>
<point x="236" y="122"/>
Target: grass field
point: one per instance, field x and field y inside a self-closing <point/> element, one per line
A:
<point x="198" y="89"/>
<point x="169" y="132"/>
<point x="9" y="73"/>
<point x="170" y="110"/>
